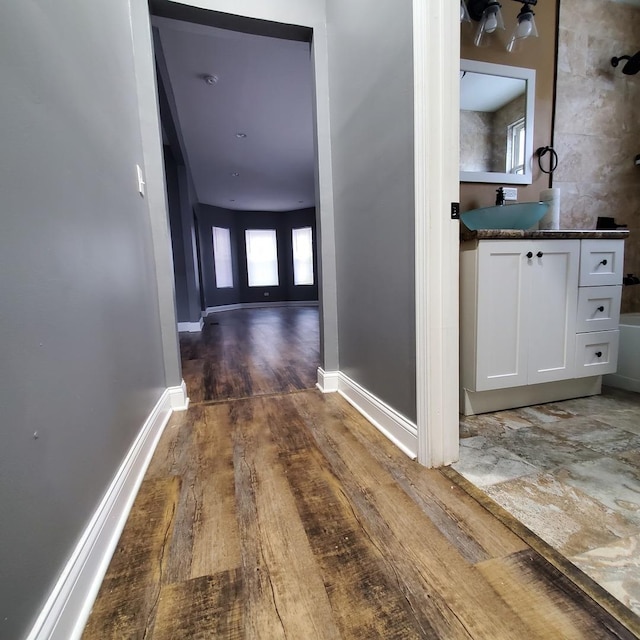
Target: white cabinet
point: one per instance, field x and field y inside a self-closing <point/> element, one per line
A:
<point x="526" y="312"/>
<point x="539" y="319"/>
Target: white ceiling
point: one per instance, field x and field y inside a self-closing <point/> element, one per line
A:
<point x="264" y="90"/>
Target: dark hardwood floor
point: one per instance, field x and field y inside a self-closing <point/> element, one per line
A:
<point x="251" y="352"/>
<point x="287" y="515"/>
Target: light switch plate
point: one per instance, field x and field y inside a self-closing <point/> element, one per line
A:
<point x="141" y="181"/>
<point x="510" y="193"/>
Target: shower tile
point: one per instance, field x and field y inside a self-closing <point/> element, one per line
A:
<point x="562" y="515"/>
<point x="616" y="567"/>
<point x="484" y="464"/>
<point x="572" y="53"/>
<point x="612" y="482"/>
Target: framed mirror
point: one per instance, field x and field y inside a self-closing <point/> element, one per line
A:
<point x="496" y="122"/>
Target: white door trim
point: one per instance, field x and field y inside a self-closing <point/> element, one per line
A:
<point x="436" y="46"/>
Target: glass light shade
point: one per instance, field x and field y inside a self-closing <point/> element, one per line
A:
<point x="490" y="22"/>
<point x="464" y="12"/>
<point x="525" y="28"/>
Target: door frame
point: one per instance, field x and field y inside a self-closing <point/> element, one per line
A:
<point x="436" y="34"/>
<point x="436" y="45"/>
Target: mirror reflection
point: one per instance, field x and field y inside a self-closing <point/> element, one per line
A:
<point x="496" y="123"/>
<point x="492" y="123"/>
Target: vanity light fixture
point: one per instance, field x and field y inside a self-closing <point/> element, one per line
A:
<point x="525" y="25"/>
<point x="487" y="13"/>
<point x="464" y="12"/>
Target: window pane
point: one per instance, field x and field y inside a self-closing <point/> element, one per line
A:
<point x="262" y="257"/>
<point x="222" y="258"/>
<point x="302" y="256"/>
<point x="515" y="146"/>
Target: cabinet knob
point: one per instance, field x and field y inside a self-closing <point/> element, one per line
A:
<point x="539" y="254"/>
<point x="529" y="255"/>
<point x="598" y="354"/>
<point x="600" y="308"/>
<point x="603" y="262"/>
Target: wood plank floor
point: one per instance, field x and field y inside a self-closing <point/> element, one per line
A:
<point x="250" y="352"/>
<point x="289" y="516"/>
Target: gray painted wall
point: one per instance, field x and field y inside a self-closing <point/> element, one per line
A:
<point x="81" y="359"/>
<point x="371" y="107"/>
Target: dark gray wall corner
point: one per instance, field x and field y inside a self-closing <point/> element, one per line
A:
<point x="183" y="243"/>
<point x="371" y="89"/>
<point x="81" y="353"/>
<point x="177" y="241"/>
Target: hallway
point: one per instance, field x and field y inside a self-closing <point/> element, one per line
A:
<point x="286" y="514"/>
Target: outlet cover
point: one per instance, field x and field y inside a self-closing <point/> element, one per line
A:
<point x="510" y="193"/>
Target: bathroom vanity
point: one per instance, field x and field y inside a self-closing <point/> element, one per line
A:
<point x="539" y="313"/>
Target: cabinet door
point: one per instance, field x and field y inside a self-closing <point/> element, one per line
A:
<point x="501" y="359"/>
<point x="552" y="310"/>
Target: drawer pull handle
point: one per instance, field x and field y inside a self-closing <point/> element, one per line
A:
<point x="600" y="309"/>
<point x="598" y="354"/>
<point x="603" y="262"/>
<point x="529" y="255"/>
<point x="539" y="254"/>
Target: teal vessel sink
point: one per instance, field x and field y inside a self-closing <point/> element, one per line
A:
<point x="509" y="216"/>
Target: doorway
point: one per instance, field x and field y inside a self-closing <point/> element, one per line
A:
<point x="236" y="107"/>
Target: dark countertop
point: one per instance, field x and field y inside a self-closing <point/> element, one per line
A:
<point x="555" y="234"/>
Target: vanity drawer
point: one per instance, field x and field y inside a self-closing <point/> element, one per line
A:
<point x="601" y="262"/>
<point x="598" y="308"/>
<point x="596" y="353"/>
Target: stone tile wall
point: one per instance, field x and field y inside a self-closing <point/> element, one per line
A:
<point x="597" y="126"/>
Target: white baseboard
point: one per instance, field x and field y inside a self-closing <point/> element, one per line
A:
<point x="259" y="305"/>
<point x="402" y="432"/>
<point x="65" y="613"/>
<point x="190" y="327"/>
<point x="178" y="397"/>
<point x="328" y="381"/>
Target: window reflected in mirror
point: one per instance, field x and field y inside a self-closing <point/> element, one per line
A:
<point x="490" y="109"/>
<point x="496" y="123"/>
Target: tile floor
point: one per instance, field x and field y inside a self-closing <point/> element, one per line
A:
<point x="570" y="472"/>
